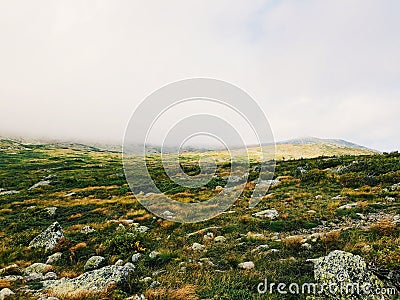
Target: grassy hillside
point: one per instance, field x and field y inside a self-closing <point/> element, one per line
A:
<point x="88" y="187"/>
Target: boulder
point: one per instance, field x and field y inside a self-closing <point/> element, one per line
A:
<point x="49" y="238"/>
<point x="4" y="293"/>
<point x="94" y="262"/>
<point x="339" y="269"/>
<point x="54" y="258"/>
<point x="246" y="265"/>
<point x="37" y="268"/>
<point x="197" y="247"/>
<point x="93" y="281"/>
<point x="267" y="214"/>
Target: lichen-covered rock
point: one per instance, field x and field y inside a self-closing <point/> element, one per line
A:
<point x="136" y="257"/>
<point x="49" y="238"/>
<point x="51" y="211"/>
<point x="94" y="281"/>
<point x="37" y="268"/>
<point x="267" y="214"/>
<point x="247" y="265"/>
<point x="87" y="229"/>
<point x="4" y="293"/>
<point x="54" y="258"/>
<point x="94" y="262"/>
<point x="13" y="269"/>
<point x="339" y="269"/>
<point x="197" y="247"/>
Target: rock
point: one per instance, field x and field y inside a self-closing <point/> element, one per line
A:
<point x="94" y="262"/>
<point x="121" y="227"/>
<point x="311" y="212"/>
<point x="13" y="278"/>
<point x="319" y="197"/>
<point x="34" y="276"/>
<point x="47" y="298"/>
<point x="390" y="199"/>
<point x="40" y="184"/>
<point x="341" y="268"/>
<point x="167" y="214"/>
<point x="208" y="236"/>
<point x="4" y="293"/>
<point x="267" y="214"/>
<point x="306" y="246"/>
<point x="51" y="211"/>
<point x="220" y="239"/>
<point x="395" y="187"/>
<point x="255" y="236"/>
<point x="246" y="265"/>
<point x="136" y="257"/>
<point x="70" y="194"/>
<point x="142" y="229"/>
<point x="49" y="238"/>
<point x="129" y="265"/>
<point x="154" y="284"/>
<point x="13" y="269"/>
<point x="146" y="279"/>
<point x="97" y="280"/>
<point x="87" y="229"/>
<point x="9" y="192"/>
<point x="50" y="276"/>
<point x="261" y="248"/>
<point x="154" y="254"/>
<point x="137" y="297"/>
<point x="119" y="262"/>
<point x="197" y="247"/>
<point x="348" y="206"/>
<point x="54" y="258"/>
<point x="37" y="268"/>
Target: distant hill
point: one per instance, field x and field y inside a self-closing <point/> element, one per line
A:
<point x="306" y="147"/>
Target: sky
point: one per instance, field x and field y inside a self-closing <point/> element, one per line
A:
<point x="77" y="70"/>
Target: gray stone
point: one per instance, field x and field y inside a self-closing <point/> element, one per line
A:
<point x="54" y="258"/>
<point x="246" y="265"/>
<point x="96" y="280"/>
<point x="348" y="206"/>
<point x="136" y="257"/>
<point x="49" y="238"/>
<point x="154" y="284"/>
<point x="119" y="262"/>
<point x="197" y="247"/>
<point x="94" y="262"/>
<point x="37" y="268"/>
<point x="154" y="254"/>
<point x="220" y="239"/>
<point x="6" y="292"/>
<point x="40" y="184"/>
<point x="267" y="214"/>
<point x="341" y="268"/>
<point x="87" y="229"/>
<point x="51" y="211"/>
<point x="50" y="276"/>
<point x="34" y="277"/>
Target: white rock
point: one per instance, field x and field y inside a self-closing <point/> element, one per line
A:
<point x="220" y="239"/>
<point x="4" y="293"/>
<point x="136" y="257"/>
<point x="54" y="258"/>
<point x="267" y="214"/>
<point x="197" y="247"/>
<point x="246" y="265"/>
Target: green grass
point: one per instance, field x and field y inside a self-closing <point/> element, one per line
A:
<point x="102" y="195"/>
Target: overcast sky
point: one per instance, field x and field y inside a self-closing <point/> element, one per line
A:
<point x="78" y="69"/>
